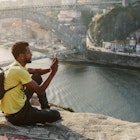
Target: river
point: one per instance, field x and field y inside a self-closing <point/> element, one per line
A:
<point x="93" y="88"/>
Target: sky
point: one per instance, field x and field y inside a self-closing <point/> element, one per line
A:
<point x="7" y="0"/>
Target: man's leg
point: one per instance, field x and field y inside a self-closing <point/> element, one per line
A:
<point x="44" y="101"/>
<point x="42" y="98"/>
<point x="29" y="115"/>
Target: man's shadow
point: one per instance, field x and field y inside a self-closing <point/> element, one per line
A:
<point x="54" y="131"/>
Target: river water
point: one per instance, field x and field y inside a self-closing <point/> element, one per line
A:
<point x="93" y="88"/>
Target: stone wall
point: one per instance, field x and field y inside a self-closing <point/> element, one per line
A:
<point x="112" y="58"/>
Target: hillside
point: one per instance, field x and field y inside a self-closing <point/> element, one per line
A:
<point x="118" y="24"/>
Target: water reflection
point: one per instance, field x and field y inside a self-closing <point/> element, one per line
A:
<point x="97" y="89"/>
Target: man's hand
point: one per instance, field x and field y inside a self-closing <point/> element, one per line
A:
<point x="54" y="65"/>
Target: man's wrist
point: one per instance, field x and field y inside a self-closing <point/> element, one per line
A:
<point x="52" y="73"/>
<point x="50" y="69"/>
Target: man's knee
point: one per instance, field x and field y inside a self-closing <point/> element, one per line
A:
<point x="37" y="77"/>
<point x="55" y="115"/>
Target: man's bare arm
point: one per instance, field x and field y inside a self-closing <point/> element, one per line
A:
<point x="40" y="71"/>
<point x="41" y="89"/>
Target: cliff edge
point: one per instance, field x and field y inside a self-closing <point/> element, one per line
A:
<point x="74" y="126"/>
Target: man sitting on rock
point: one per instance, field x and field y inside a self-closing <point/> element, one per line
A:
<point x="16" y="102"/>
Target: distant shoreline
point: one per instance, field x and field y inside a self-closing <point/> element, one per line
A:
<point x="114" y="59"/>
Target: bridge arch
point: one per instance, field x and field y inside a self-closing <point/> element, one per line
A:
<point x="62" y="32"/>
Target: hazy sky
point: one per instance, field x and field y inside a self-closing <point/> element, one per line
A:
<point x="7" y="0"/>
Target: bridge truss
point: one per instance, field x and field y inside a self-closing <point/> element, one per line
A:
<point x="36" y="13"/>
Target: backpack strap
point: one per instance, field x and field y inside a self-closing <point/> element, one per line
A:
<point x="11" y="88"/>
<point x="14" y="86"/>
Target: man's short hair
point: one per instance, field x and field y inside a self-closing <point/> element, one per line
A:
<point x="19" y="48"/>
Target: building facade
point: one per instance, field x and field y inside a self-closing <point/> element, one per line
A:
<point x="127" y="2"/>
<point x="68" y="2"/>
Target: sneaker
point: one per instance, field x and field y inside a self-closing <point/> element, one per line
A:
<point x="58" y="122"/>
<point x="45" y="107"/>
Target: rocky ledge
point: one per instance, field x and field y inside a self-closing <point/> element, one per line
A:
<point x="74" y="126"/>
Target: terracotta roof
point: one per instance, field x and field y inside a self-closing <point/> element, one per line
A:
<point x="120" y="41"/>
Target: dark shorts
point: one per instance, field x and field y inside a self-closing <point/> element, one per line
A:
<point x="29" y="115"/>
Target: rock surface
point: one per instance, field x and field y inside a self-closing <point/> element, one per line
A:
<point x="74" y="126"/>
